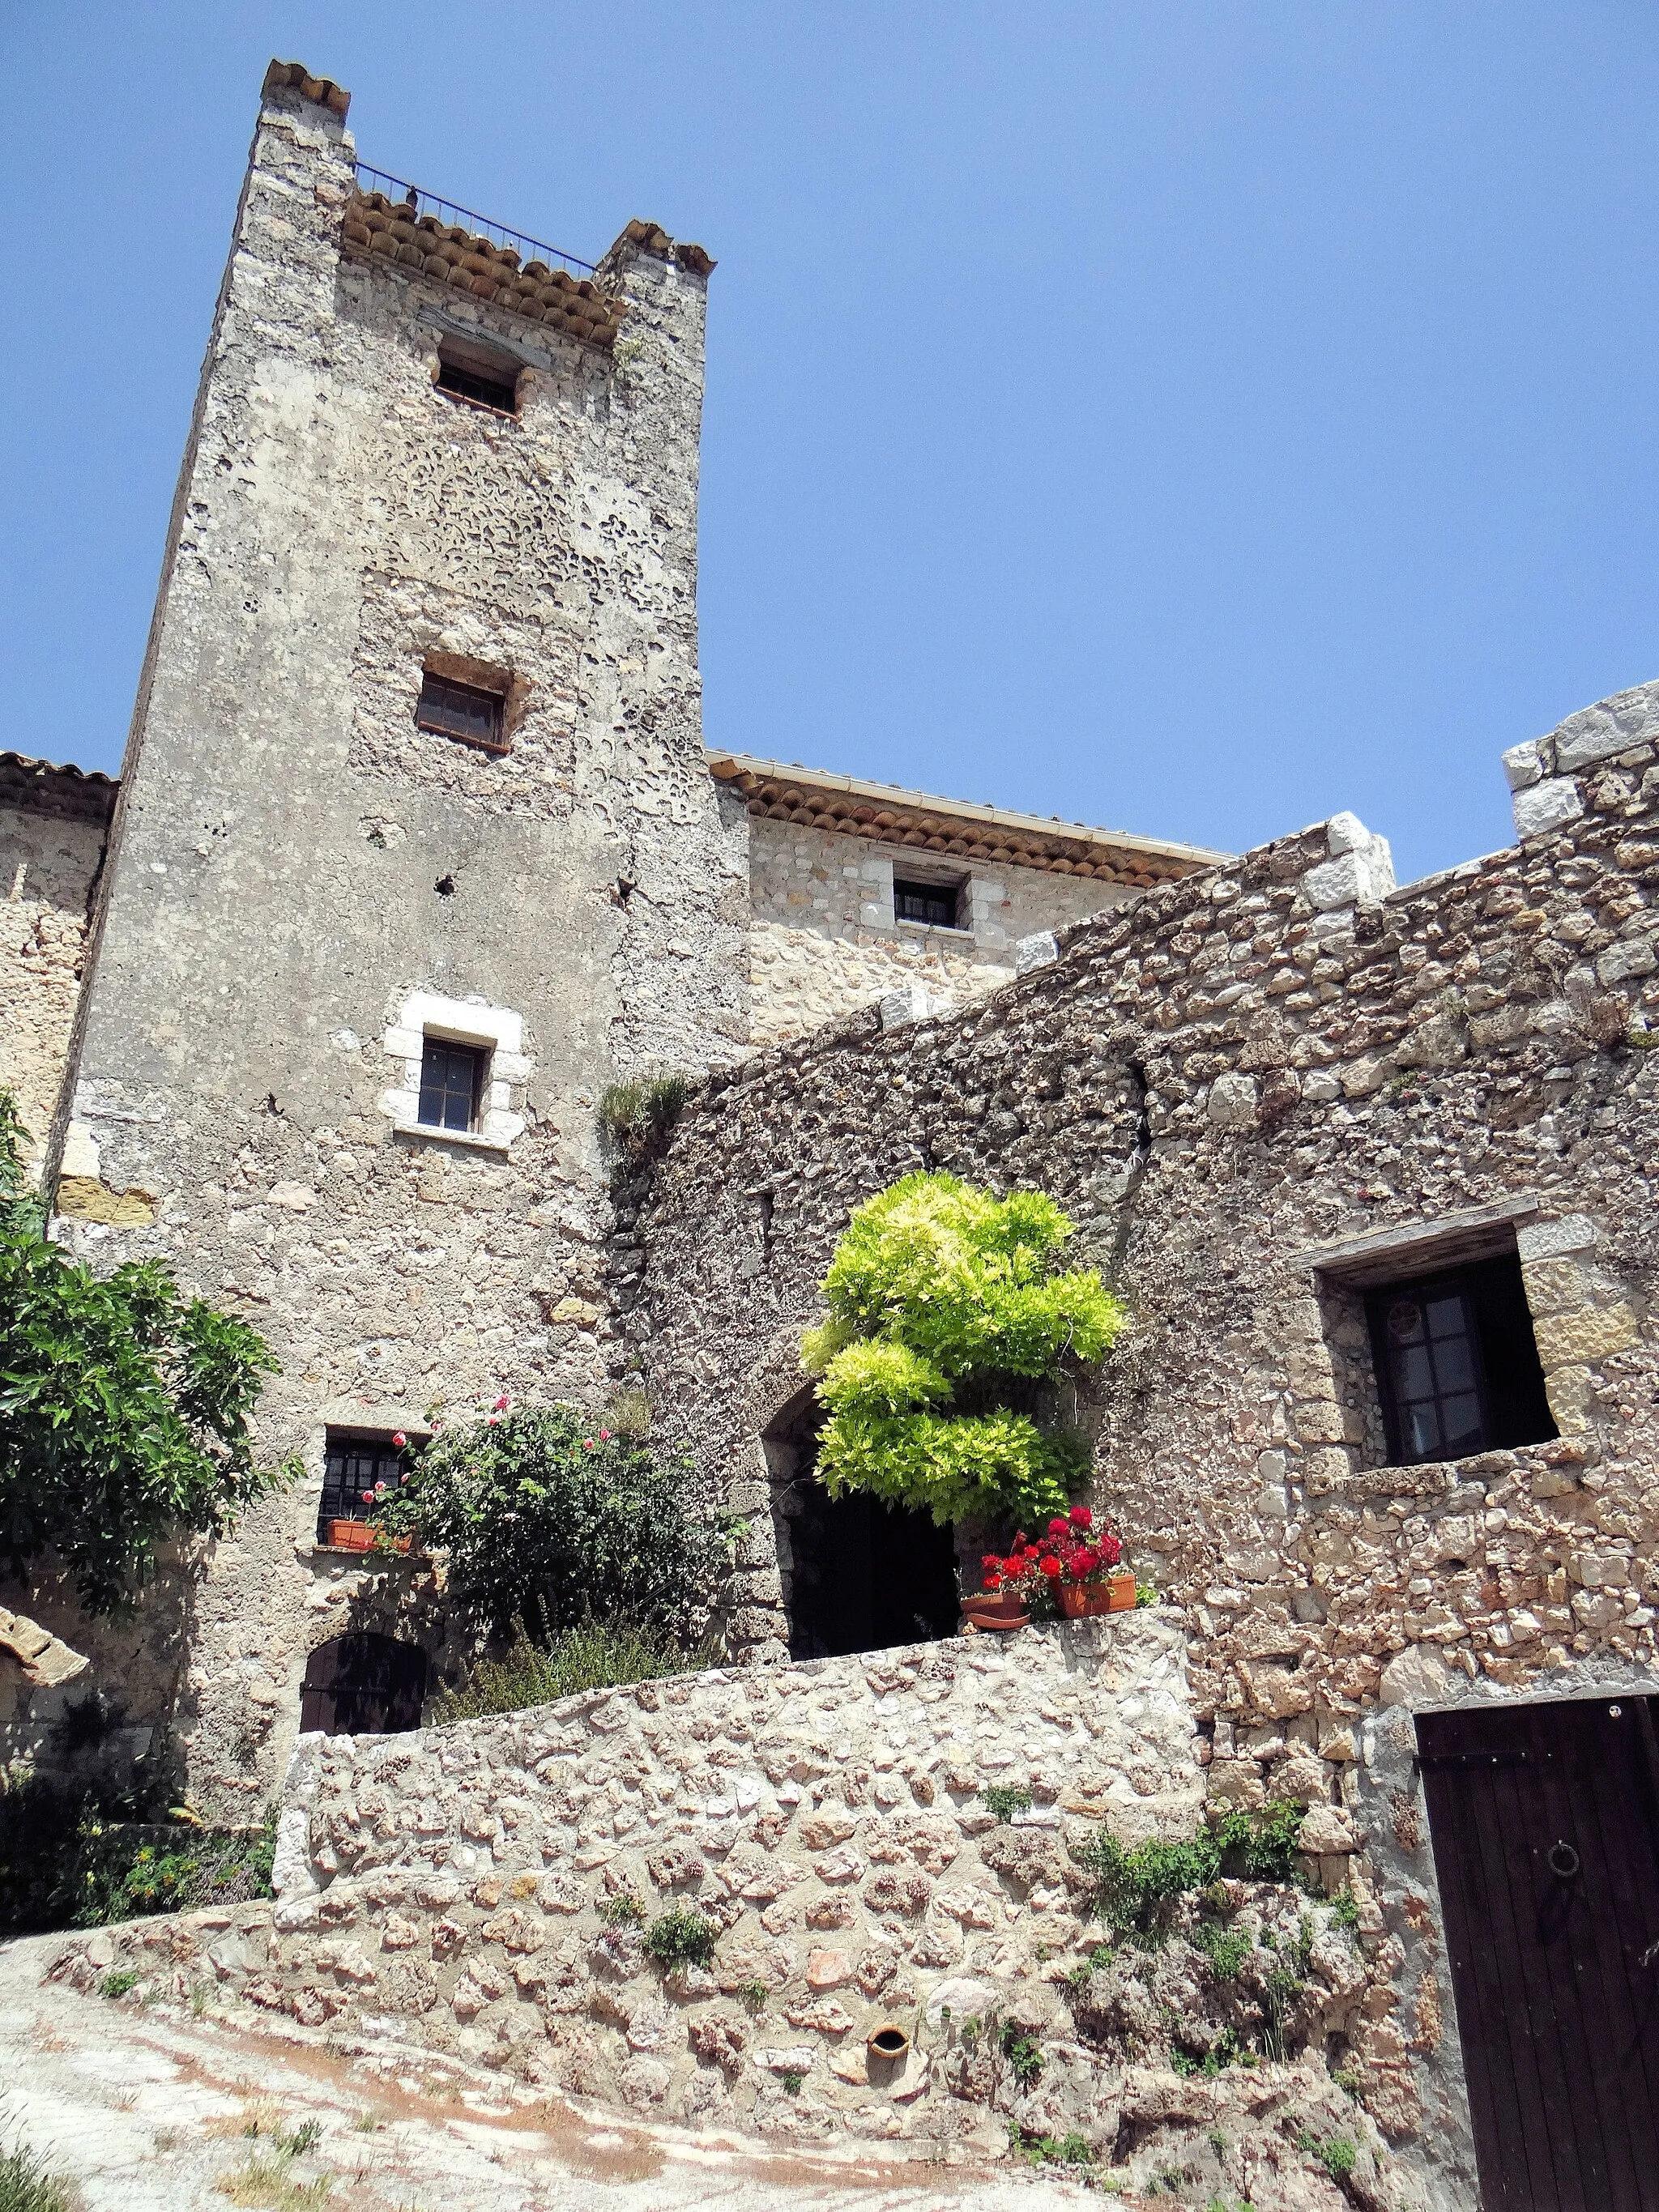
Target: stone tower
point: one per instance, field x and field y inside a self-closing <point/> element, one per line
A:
<point x="415" y="780"/>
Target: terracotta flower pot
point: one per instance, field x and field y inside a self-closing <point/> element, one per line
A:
<point x="1122" y="1589"/>
<point x="993" y="1605"/>
<point x="351" y="1535"/>
<point x="1082" y="1600"/>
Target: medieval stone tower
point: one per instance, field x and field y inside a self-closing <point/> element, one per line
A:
<point x="415" y="848"/>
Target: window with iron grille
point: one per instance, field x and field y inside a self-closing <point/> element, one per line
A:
<point x="452" y="1083"/>
<point x="1457" y="1367"/>
<point x="933" y="904"/>
<point x="484" y="385"/>
<point x="465" y="711"/>
<point x="354" y="1465"/>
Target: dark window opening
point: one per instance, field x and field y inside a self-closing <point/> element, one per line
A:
<point x="452" y="1083"/>
<point x="353" y="1466"/>
<point x="477" y="717"/>
<point x="1457" y="1365"/>
<point x="485" y="386"/>
<point x="363" y="1685"/>
<point x="937" y="904"/>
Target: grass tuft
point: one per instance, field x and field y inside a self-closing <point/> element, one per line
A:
<point x="596" y="1656"/>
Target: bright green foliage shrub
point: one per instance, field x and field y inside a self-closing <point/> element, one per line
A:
<point x="1338" y="2156"/>
<point x="1134" y="1886"/>
<point x="1227" y="1949"/>
<point x="681" y="1938"/>
<point x="124" y="1406"/>
<point x="1024" y="2054"/>
<point x="595" y="1654"/>
<point x="1005" y="1798"/>
<point x="550" y="1521"/>
<point x="943" y="1302"/>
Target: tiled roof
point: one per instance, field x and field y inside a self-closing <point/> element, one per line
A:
<point x="40" y="786"/>
<point x="393" y="232"/>
<point x="780" y="792"/>
<point x="295" y="78"/>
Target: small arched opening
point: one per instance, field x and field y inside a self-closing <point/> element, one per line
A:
<point x="363" y="1685"/>
<point x="857" y="1575"/>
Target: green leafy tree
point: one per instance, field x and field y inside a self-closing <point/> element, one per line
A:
<point x="124" y="1404"/>
<point x="947" y="1306"/>
<point x="550" y="1520"/>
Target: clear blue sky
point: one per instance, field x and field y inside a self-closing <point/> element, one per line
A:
<point x="1188" y="416"/>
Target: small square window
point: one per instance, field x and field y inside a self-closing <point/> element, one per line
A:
<point x="353" y="1468"/>
<point x="486" y="384"/>
<point x="936" y="904"/>
<point x="451" y="1084"/>
<point x="465" y="711"/>
<point x="1457" y="1367"/>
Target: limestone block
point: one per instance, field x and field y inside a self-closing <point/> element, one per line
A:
<point x="1546" y="806"/>
<point x="1039" y="951"/>
<point x="828" y="1969"/>
<point x="1523" y="764"/>
<point x="1593" y="1332"/>
<point x="1359" y="873"/>
<point x="1276" y="1690"/>
<point x="1631" y="956"/>
<point x="1326" y="1831"/>
<point x="1554" y="1286"/>
<point x="1418" y="1676"/>
<point x="1232" y="1102"/>
<point x="1612" y="725"/>
<point x="1545" y="1240"/>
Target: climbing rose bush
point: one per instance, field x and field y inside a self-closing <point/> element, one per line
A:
<point x="945" y="1303"/>
<point x="549" y="1520"/>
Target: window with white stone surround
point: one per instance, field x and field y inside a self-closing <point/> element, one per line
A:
<point x="496" y="1032"/>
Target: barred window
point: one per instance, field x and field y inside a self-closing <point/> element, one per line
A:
<point x="1457" y="1366"/>
<point x="354" y="1465"/>
<point x="465" y="711"/>
<point x="480" y="381"/>
<point x="937" y="904"/>
<point x="452" y="1083"/>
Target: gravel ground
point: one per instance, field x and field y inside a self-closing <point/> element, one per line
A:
<point x="150" y="2110"/>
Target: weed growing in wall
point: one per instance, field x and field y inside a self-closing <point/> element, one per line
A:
<point x="946" y="1309"/>
<point x="637" y="1116"/>
<point x="681" y="1938"/>
<point x="1135" y="1886"/>
<point x="595" y="1654"/>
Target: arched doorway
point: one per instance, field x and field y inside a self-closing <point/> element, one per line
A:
<point x="363" y="1685"/>
<point x="856" y="1575"/>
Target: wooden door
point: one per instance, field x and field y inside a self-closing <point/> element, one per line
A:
<point x="1544" y="1824"/>
<point x="363" y="1685"/>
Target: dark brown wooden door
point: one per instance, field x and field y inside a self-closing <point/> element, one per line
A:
<point x="363" y="1685"/>
<point x="1545" y="1823"/>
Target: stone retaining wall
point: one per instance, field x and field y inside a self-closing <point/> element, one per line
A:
<point x="828" y="1817"/>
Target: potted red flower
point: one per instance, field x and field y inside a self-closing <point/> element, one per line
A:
<point x="1014" y="1587"/>
<point x="1091" y="1579"/>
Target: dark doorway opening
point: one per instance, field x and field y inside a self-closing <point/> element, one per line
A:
<point x="1544" y="1824"/>
<point x="856" y="1575"/>
<point x="867" y="1576"/>
<point x="363" y="1685"/>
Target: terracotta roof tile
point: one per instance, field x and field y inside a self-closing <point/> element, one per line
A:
<point x="294" y="77"/>
<point x="390" y="231"/>
<point x="780" y="792"/>
<point x="39" y="787"/>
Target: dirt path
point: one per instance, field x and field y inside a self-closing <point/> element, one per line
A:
<point x="150" y="2110"/>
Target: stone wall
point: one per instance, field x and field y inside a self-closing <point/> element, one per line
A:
<point x="1243" y="1089"/>
<point x="54" y="825"/>
<point x="828" y="1817"/>
<point x="823" y="940"/>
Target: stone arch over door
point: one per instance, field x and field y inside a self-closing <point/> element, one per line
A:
<point x="364" y="1684"/>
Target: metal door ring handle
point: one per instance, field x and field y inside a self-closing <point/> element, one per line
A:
<point x="1564" y="1860"/>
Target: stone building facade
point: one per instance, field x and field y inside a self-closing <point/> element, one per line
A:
<point x="1307" y="1123"/>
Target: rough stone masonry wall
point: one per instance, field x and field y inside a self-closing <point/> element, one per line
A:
<point x="53" y="823"/>
<point x="1242" y="1071"/>
<point x="447" y="1887"/>
<point x="294" y="861"/>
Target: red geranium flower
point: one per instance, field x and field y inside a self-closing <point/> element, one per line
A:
<point x="1058" y="1528"/>
<point x="1049" y="1567"/>
<point x="1082" y="1517"/>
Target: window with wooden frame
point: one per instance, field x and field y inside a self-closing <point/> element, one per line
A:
<point x="356" y="1468"/>
<point x="1457" y="1366"/>
<point x="465" y="711"/>
<point x="451" y="1084"/>
<point x="939" y="905"/>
